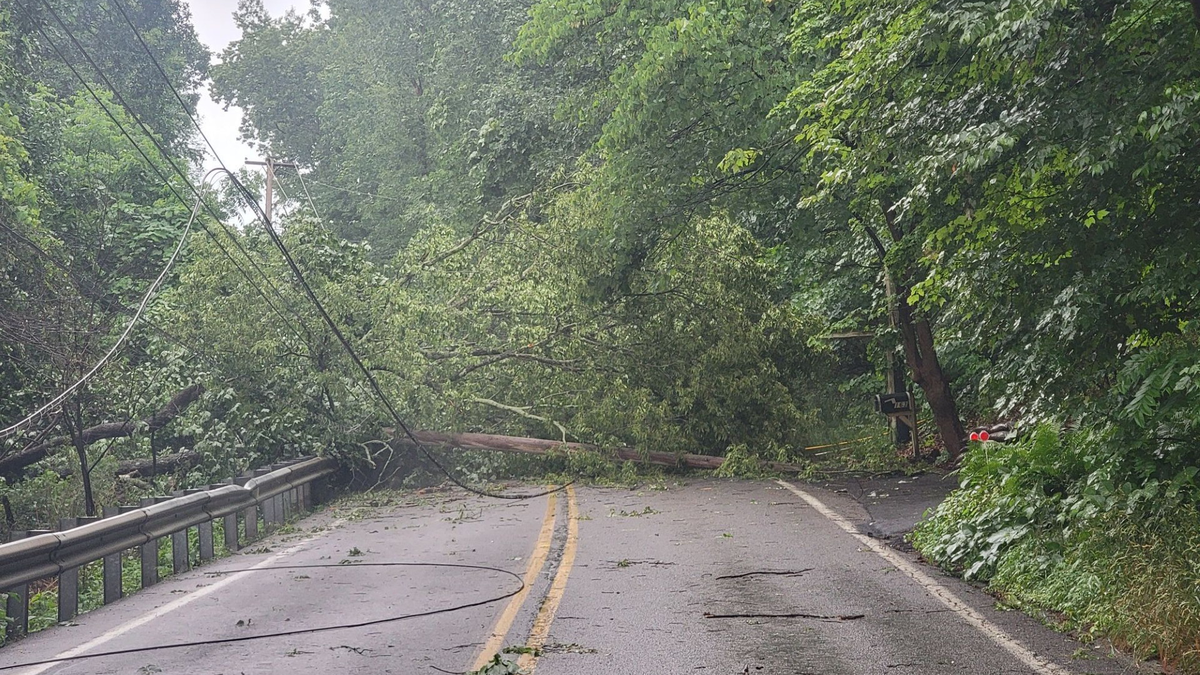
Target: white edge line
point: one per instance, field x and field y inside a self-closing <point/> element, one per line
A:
<point x="945" y="595"/>
<point x="173" y="605"/>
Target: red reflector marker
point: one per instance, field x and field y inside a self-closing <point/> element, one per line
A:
<point x="974" y="435"/>
<point x="984" y="435"/>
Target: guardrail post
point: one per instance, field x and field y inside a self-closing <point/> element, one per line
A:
<point x="268" y="511"/>
<point x="231" y="532"/>
<point x="268" y="507"/>
<point x="179" y="552"/>
<point x="250" y="518"/>
<point x="180" y="556"/>
<point x="306" y="496"/>
<point x="279" y="505"/>
<point x="249" y="515"/>
<point x="68" y="583"/>
<point x="285" y="506"/>
<point x="204" y="532"/>
<point x="278" y="509"/>
<point x="149" y="554"/>
<point x="16" y="605"/>
<point x="112" y="566"/>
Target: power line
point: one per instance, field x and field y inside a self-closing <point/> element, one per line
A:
<point x="306" y="194"/>
<point x="93" y="288"/>
<point x="163" y="151"/>
<point x="350" y="351"/>
<point x="354" y="192"/>
<point x="62" y="396"/>
<point x="305" y="631"/>
<point x="270" y="232"/>
<point x="195" y="123"/>
<point x="167" y="78"/>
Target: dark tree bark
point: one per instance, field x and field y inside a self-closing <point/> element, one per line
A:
<point x="12" y="466"/>
<point x="85" y="475"/>
<point x="927" y="374"/>
<point x="85" y="469"/>
<point x="920" y="352"/>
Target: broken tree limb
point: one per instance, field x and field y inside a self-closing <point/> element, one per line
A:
<point x="538" y="446"/>
<point x="522" y="411"/>
<point x="781" y="573"/>
<point x="788" y="615"/>
<point x="144" y="468"/>
<point x="11" y="466"/>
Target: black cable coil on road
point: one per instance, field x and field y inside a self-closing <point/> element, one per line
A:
<point x="302" y="631"/>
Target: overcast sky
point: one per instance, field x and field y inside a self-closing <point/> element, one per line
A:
<point x="214" y="24"/>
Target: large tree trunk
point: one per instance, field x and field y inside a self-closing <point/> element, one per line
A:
<point x="919" y="349"/>
<point x="12" y="466"/>
<point x="922" y="358"/>
<point x="144" y="468"/>
<point x="538" y="446"/>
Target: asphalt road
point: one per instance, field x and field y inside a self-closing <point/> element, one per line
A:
<point x="709" y="577"/>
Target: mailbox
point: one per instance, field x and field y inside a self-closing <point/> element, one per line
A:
<point x="894" y="405"/>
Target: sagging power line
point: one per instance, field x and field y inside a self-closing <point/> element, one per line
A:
<point x="272" y="234"/>
<point x="165" y="154"/>
<point x="116" y="347"/>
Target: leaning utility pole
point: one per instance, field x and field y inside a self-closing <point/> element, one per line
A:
<point x="271" y="164"/>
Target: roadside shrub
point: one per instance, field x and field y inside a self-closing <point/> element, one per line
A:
<point x="1067" y="523"/>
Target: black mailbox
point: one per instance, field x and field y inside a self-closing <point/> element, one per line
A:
<point x="894" y="404"/>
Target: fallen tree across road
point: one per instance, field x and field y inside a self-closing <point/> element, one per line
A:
<point x="539" y="446"/>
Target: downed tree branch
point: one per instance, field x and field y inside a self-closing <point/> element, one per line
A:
<point x="11" y="466"/>
<point x="145" y="467"/>
<point x="782" y="573"/>
<point x="538" y="446"/>
<point x="523" y="412"/>
<point x="787" y="615"/>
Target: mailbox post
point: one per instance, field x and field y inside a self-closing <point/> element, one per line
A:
<point x="901" y="408"/>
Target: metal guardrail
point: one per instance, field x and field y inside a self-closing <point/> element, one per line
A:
<point x="272" y="494"/>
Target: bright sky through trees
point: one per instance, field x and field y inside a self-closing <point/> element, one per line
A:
<point x="213" y="20"/>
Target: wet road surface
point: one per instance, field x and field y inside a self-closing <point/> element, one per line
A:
<point x="706" y="577"/>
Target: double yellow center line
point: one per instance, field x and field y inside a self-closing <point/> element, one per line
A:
<point x="537" y="561"/>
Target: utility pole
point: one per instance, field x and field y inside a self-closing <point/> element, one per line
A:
<point x="271" y="164"/>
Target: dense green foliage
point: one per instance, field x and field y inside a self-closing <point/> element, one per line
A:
<point x="631" y="224"/>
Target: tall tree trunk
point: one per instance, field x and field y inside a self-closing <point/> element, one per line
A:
<point x="919" y="349"/>
<point x="85" y="473"/>
<point x="922" y="358"/>
<point x="89" y="500"/>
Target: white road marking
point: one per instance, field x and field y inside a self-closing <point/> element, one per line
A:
<point x="945" y="595"/>
<point x="174" y="604"/>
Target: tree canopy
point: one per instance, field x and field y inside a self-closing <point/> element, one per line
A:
<point x="650" y="223"/>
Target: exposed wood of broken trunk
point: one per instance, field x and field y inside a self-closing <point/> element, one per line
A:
<point x="538" y="446"/>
